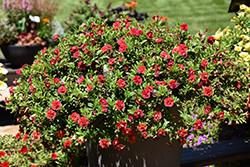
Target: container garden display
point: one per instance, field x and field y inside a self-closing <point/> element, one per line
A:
<point x="114" y="87"/>
<point x="28" y="28"/>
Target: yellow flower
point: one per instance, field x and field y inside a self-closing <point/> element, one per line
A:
<point x="243" y="7"/>
<point x="3" y="85"/>
<point x="248" y="15"/>
<point x="247" y="58"/>
<point x="240" y="43"/>
<point x="226" y="29"/>
<point x="238" y="48"/>
<point x="243" y="54"/>
<point x="46" y="20"/>
<point x="238" y="27"/>
<point x="245" y="37"/>
<point x="247" y="46"/>
<point x="218" y="34"/>
<point x="232" y="20"/>
<point x="217" y="43"/>
<point x="241" y="14"/>
<point x="3" y="71"/>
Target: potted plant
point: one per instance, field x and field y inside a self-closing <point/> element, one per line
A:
<point x="130" y="86"/>
<point x="28" y="27"/>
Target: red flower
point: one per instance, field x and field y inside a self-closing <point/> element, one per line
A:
<point x="145" y="94"/>
<point x="106" y="48"/>
<point x="204" y="76"/>
<point x="104" y="143"/>
<point x="145" y="135"/>
<point x="104" y="109"/>
<point x="54" y="156"/>
<point x="25" y="137"/>
<point x="2" y="154"/>
<point x="60" y="134"/>
<point x="112" y="61"/>
<point x="142" y="127"/>
<point x="121" y="83"/>
<point x="74" y="49"/>
<point x="83" y="122"/>
<point x="142" y="69"/>
<point x="198" y="124"/>
<point x="158" y="40"/>
<point x="18" y="71"/>
<point x="150" y="88"/>
<point x="169" y="102"/>
<point x="120" y="105"/>
<point x="75" y="116"/>
<point x="192" y="78"/>
<point x="47" y="84"/>
<point x="89" y="88"/>
<point x="139" y="32"/>
<point x="165" y="55"/>
<point x="207" y="109"/>
<point x="220" y="115"/>
<point x="133" y="31"/>
<point x="206" y="83"/>
<point x="161" y="132"/>
<point x="215" y="61"/>
<point x="237" y="84"/>
<point x="56" y="105"/>
<point x="99" y="32"/>
<point x="55" y="37"/>
<point x="5" y="164"/>
<point x="56" y="80"/>
<point x="183" y="141"/>
<point x="121" y="125"/>
<point x="62" y="89"/>
<point x="51" y="114"/>
<point x="182" y="133"/>
<point x="91" y="34"/>
<point x="207" y="91"/>
<point x="157" y="115"/>
<point x="211" y="40"/>
<point x="80" y="80"/>
<point x="138" y="113"/>
<point x="150" y="35"/>
<point x="36" y="135"/>
<point x="117" y="24"/>
<point x="56" y="52"/>
<point x="181" y="66"/>
<point x="123" y="47"/>
<point x="204" y="63"/>
<point x="81" y="65"/>
<point x="101" y="79"/>
<point x="131" y="117"/>
<point x="121" y="41"/>
<point x="127" y="132"/>
<point x="132" y="138"/>
<point x="173" y="84"/>
<point x="17" y="136"/>
<point x="184" y="27"/>
<point x="137" y="80"/>
<point x="23" y="150"/>
<point x="52" y="61"/>
<point x="67" y="144"/>
<point x="191" y="71"/>
<point x="103" y="101"/>
<point x="76" y="54"/>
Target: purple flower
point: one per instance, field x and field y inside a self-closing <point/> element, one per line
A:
<point x="95" y="7"/>
<point x="200" y="140"/>
<point x="190" y="136"/>
<point x="210" y="125"/>
<point x="29" y="8"/>
<point x="101" y="13"/>
<point x="87" y="2"/>
<point x="195" y="144"/>
<point x="209" y="132"/>
<point x="197" y="110"/>
<point x="212" y="140"/>
<point x="24" y="5"/>
<point x="194" y="116"/>
<point x="70" y="18"/>
<point x="4" y="4"/>
<point x="8" y="4"/>
<point x="192" y="128"/>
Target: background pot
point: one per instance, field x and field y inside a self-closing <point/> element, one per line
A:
<point x="147" y="153"/>
<point x="18" y="55"/>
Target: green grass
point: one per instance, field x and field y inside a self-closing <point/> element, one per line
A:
<point x="197" y="14"/>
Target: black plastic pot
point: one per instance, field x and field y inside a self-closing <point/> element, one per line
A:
<point x="18" y="55"/>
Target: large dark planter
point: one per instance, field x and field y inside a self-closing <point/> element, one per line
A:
<point x="19" y="55"/>
<point x="147" y="153"/>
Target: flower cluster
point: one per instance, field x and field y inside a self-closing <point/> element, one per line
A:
<point x="107" y="84"/>
<point x="27" y="22"/>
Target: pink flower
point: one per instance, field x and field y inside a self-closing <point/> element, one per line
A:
<point x="56" y="105"/>
<point x="121" y="83"/>
<point x="117" y="24"/>
<point x="104" y="143"/>
<point x="62" y="89"/>
<point x="89" y="88"/>
<point x="169" y="102"/>
<point x="51" y="114"/>
<point x="112" y="61"/>
<point x="123" y="47"/>
<point x="36" y="135"/>
<point x="56" y="80"/>
<point x="173" y="84"/>
<point x="137" y="80"/>
<point x="165" y="55"/>
<point x="55" y="37"/>
<point x="75" y="116"/>
<point x="80" y="80"/>
<point x="150" y="35"/>
<point x="204" y="76"/>
<point x="141" y="69"/>
<point x="145" y="94"/>
<point x="184" y="27"/>
<point x="138" y="113"/>
<point x="74" y="49"/>
<point x="103" y="101"/>
<point x="101" y="79"/>
<point x="67" y="144"/>
<point x="207" y="91"/>
<point x="81" y="65"/>
<point x="133" y="31"/>
<point x="145" y="135"/>
<point x="157" y="115"/>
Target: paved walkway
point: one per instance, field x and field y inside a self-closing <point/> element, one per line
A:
<point x="6" y="119"/>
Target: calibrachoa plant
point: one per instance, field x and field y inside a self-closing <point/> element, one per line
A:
<point x="107" y="84"/>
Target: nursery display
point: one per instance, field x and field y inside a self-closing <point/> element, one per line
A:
<point x="116" y="87"/>
<point x="28" y="27"/>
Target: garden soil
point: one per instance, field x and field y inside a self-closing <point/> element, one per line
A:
<point x="6" y="119"/>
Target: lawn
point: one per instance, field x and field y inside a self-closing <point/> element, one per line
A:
<point x="197" y="14"/>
